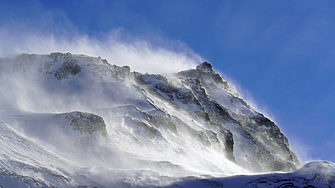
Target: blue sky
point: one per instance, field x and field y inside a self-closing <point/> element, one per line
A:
<point x="280" y="54"/>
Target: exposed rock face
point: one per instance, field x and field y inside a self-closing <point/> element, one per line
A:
<point x="87" y="123"/>
<point x="69" y="67"/>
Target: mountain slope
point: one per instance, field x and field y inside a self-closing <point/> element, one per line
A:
<point x="104" y="125"/>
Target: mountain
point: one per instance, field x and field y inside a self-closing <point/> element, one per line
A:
<point x="77" y="121"/>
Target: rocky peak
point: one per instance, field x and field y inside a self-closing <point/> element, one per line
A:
<point x="205" y="74"/>
<point x="198" y="104"/>
<point x="205" y="67"/>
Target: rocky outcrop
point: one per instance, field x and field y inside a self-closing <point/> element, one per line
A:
<point x="86" y="123"/>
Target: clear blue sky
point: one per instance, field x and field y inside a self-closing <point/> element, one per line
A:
<point x="281" y="53"/>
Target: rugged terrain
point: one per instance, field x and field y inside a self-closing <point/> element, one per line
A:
<point x="74" y="121"/>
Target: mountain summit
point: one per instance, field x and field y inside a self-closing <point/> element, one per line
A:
<point x="73" y="120"/>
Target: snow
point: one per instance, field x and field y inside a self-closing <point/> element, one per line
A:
<point x="151" y="139"/>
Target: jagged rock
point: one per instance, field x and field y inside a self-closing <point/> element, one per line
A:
<point x="86" y="123"/>
<point x="69" y="67"/>
<point x="205" y="67"/>
<point x="204" y="74"/>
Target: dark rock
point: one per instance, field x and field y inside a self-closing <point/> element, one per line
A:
<point x="70" y="66"/>
<point x="205" y="67"/>
<point x="87" y="123"/>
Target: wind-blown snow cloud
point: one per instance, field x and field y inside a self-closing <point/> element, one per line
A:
<point x="247" y="96"/>
<point x="117" y="47"/>
<point x="35" y="29"/>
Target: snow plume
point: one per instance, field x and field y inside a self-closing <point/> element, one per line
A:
<point x="149" y="54"/>
<point x="301" y="149"/>
<point x="244" y="94"/>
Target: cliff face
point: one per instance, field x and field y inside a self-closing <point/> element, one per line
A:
<point x="193" y="121"/>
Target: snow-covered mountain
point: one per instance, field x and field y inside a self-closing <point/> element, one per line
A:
<point x="77" y="121"/>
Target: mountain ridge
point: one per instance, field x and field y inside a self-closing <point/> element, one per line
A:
<point x="192" y="119"/>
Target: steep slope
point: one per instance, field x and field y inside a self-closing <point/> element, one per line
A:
<point x="103" y="123"/>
